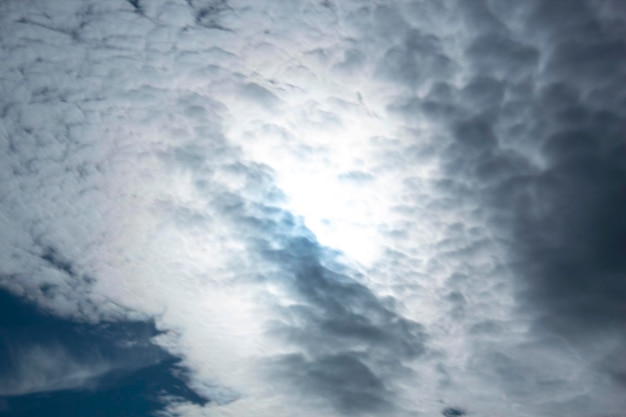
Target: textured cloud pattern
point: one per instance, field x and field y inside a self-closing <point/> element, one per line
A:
<point x="327" y="208"/>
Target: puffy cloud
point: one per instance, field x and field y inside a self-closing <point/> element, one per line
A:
<point x="330" y="207"/>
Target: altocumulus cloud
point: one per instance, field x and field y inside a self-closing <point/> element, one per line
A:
<point x="309" y="208"/>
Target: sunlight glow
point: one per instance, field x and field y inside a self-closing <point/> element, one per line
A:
<point x="338" y="213"/>
<point x="322" y="148"/>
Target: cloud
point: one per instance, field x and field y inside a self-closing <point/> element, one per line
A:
<point x="352" y="343"/>
<point x="566" y="226"/>
<point x="331" y="208"/>
<point x="557" y="198"/>
<point x="47" y="368"/>
<point x="453" y="412"/>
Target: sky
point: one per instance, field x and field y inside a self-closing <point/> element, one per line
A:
<point x="313" y="208"/>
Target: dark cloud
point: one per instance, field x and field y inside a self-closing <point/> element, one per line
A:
<point x="453" y="412"/>
<point x="483" y="92"/>
<point x="573" y="236"/>
<point x="343" y="380"/>
<point x="51" y="256"/>
<point x="498" y="55"/>
<point x="571" y="232"/>
<point x="417" y="60"/>
<point x="208" y="13"/>
<point x="538" y="153"/>
<point x="561" y="199"/>
<point x="136" y="5"/>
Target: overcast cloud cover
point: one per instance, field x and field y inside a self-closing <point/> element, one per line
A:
<point x="313" y="208"/>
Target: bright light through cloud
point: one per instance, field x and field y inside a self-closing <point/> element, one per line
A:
<point x="321" y="147"/>
<point x="340" y="213"/>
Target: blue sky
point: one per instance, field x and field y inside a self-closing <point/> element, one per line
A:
<point x="51" y="366"/>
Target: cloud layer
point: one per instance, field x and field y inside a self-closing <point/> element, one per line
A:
<point x="328" y="208"/>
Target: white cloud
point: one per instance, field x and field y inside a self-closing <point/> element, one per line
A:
<point x="171" y="154"/>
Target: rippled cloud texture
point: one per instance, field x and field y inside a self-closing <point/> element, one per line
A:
<point x="313" y="208"/>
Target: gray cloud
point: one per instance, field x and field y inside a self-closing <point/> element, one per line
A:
<point x="416" y="60"/>
<point x="558" y="198"/>
<point x="351" y="345"/>
<point x="565" y="215"/>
